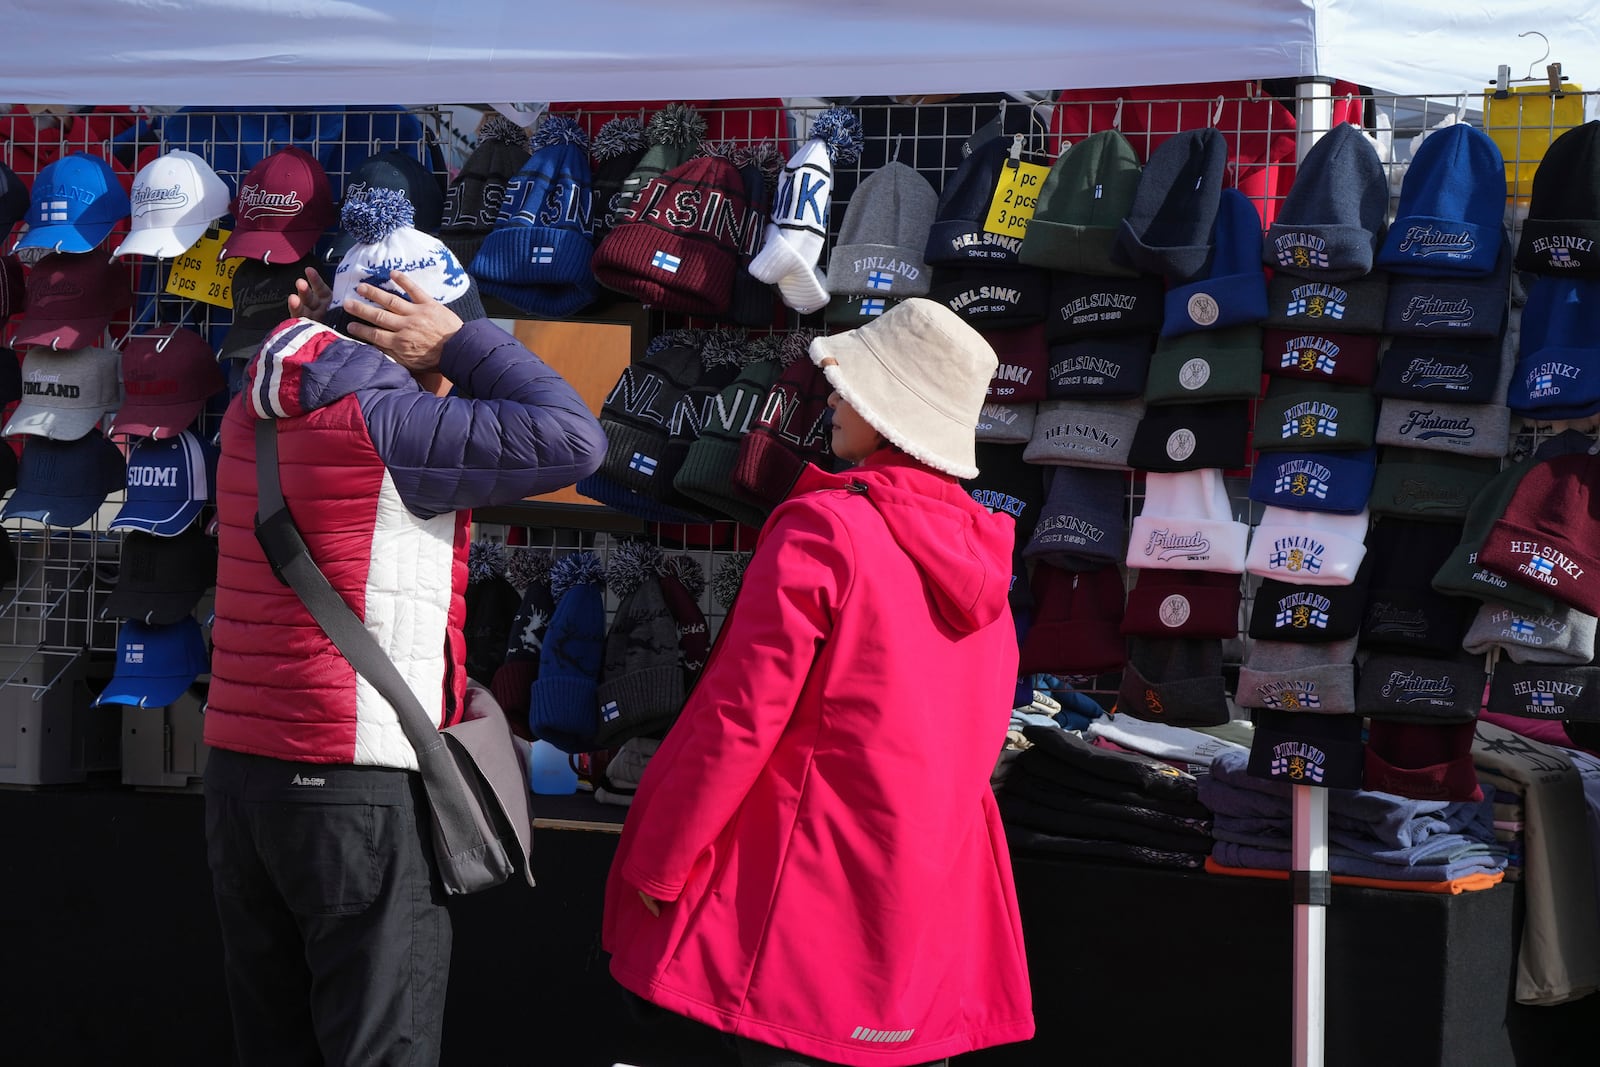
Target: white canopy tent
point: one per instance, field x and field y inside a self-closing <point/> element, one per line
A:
<point x="238" y="53"/>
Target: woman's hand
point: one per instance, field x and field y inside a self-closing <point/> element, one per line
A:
<point x="651" y="904"/>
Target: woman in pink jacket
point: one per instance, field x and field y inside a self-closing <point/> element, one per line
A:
<point x="814" y="861"/>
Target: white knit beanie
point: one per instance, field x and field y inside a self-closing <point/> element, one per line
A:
<point x="1186" y="524"/>
<point x="798" y="230"/>
<point x="1308" y="547"/>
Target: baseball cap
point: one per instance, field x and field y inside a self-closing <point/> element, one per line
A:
<point x="13" y="201"/>
<point x="284" y="205"/>
<point x="63" y="483"/>
<point x="76" y="202"/>
<point x="166" y="380"/>
<point x="71" y="300"/>
<point x="64" y="394"/>
<point x="403" y="173"/>
<point x="155" y="664"/>
<point x="10" y="377"/>
<point x="13" y="286"/>
<point x="260" y="302"/>
<point x="169" y="481"/>
<point x="161" y="579"/>
<point x="176" y="197"/>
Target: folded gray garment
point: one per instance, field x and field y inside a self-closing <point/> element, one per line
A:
<point x="627" y="766"/>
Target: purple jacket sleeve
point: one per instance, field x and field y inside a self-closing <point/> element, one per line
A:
<point x="513" y="428"/>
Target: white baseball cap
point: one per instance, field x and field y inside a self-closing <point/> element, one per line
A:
<point x="175" y="198"/>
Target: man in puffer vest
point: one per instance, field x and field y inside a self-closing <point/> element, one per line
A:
<point x="336" y="937"/>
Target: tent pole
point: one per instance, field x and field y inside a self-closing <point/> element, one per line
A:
<point x="1309" y="877"/>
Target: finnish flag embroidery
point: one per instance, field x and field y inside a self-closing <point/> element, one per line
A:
<point x="666" y="261"/>
<point x="880" y="279"/>
<point x="645" y="465"/>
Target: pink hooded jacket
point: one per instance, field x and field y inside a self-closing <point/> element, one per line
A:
<point x="818" y="823"/>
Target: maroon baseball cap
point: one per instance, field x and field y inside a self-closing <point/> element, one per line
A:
<point x="166" y="380"/>
<point x="284" y="204"/>
<point x="72" y="298"/>
<point x="13" y="288"/>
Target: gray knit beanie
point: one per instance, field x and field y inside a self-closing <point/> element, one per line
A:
<point x="1295" y="676"/>
<point x="1565" y="635"/>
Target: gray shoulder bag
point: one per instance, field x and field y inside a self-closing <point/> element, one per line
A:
<point x="477" y="785"/>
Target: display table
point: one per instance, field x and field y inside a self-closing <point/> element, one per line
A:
<point x="112" y="956"/>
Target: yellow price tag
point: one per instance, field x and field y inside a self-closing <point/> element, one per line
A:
<point x="199" y="275"/>
<point x="1015" y="197"/>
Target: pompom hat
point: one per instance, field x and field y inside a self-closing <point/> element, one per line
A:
<point x="381" y="222"/>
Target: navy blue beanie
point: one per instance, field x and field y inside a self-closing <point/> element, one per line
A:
<point x="1339" y="482"/>
<point x="1329" y="223"/>
<point x="958" y="234"/>
<point x="1234" y="292"/>
<point x="1451" y="206"/>
<point x="1450" y="305"/>
<point x="1460" y="370"/>
<point x="563" y="708"/>
<point x="1168" y="229"/>
<point x="1558" y="376"/>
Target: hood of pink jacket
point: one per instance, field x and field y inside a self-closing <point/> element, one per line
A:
<point x="961" y="549"/>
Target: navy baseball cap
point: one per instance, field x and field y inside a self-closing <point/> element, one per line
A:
<point x="1339" y="482"/>
<point x="155" y="664"/>
<point x="169" y="481"/>
<point x="161" y="579"/>
<point x="13" y="201"/>
<point x="63" y="483"/>
<point x="403" y="173"/>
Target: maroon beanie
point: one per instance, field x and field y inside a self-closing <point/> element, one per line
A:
<point x="790" y="430"/>
<point x="1075" y="622"/>
<point x="1312" y="356"/>
<point x="1422" y="761"/>
<point x="678" y="246"/>
<point x="1020" y="377"/>
<point x="682" y="582"/>
<point x="1171" y="603"/>
<point x="1544" y="539"/>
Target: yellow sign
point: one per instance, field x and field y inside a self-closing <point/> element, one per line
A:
<point x="1524" y="122"/>
<point x="199" y="275"/>
<point x="1015" y="197"/>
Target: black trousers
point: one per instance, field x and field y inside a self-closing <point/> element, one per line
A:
<point x="334" y="930"/>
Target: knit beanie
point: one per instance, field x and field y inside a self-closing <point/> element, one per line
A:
<point x="707" y="471"/>
<point x="683" y="581"/>
<point x="1465" y="429"/>
<point x="1410" y="484"/>
<point x="1175" y="680"/>
<point x="1538" y="691"/>
<point x="1309" y="614"/>
<point x="472" y="202"/>
<point x="1022" y="355"/>
<point x="722" y="356"/>
<point x="614" y="152"/>
<point x="1084" y="434"/>
<point x="1403" y="688"/>
<point x="918" y="376"/>
<point x="513" y="682"/>
<point x="1450" y="305"/>
<point x="1307" y="547"/>
<point x="991" y="296"/>
<point x="1007" y="424"/>
<point x="798" y="228"/>
<point x="641" y="681"/>
<point x="884" y="235"/>
<point x="755" y="304"/>
<point x="1311" y="356"/>
<point x="1082" y="203"/>
<point x="380" y="221"/>
<point x="1083" y="523"/>
<point x="637" y="414"/>
<point x="1563" y="227"/>
<point x="1300" y="416"/>
<point x="1168" y="230"/>
<point x="1090" y="305"/>
<point x="1305" y="305"/>
<point x="1404" y="612"/>
<point x="1296" y="676"/>
<point x="562" y="706"/>
<point x="1311" y="750"/>
<point x="677" y="247"/>
<point x="1186" y="437"/>
<point x="1545" y="538"/>
<point x="848" y="311"/>
<point x="1328" y="226"/>
<point x="1099" y="367"/>
<point x="1164" y="603"/>
<point x="1558" y="376"/>
<point x="537" y="256"/>
<point x="1205" y="365"/>
<point x="1075" y="620"/>
<point x="1004" y="483"/>
<point x="1233" y="291"/>
<point x="1460" y="370"/>
<point x="1340" y="482"/>
<point x="790" y="431"/>
<point x="1451" y="204"/>
<point x="1565" y="635"/>
<point x="1425" y="761"/>
<point x="958" y="234"/>
<point x="1186" y="523"/>
<point x="491" y="603"/>
<point x="674" y="136"/>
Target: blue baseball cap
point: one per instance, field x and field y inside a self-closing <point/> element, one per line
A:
<point x="76" y="203"/>
<point x="1338" y="482"/>
<point x="63" y="483"/>
<point x="169" y="481"/>
<point x="155" y="664"/>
